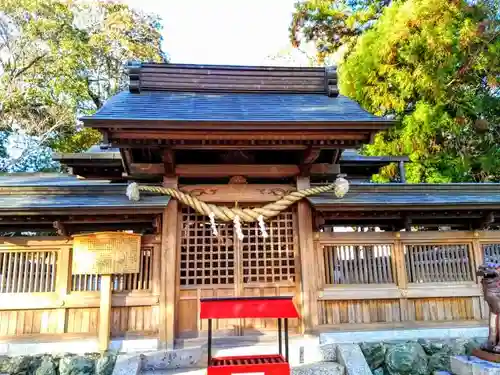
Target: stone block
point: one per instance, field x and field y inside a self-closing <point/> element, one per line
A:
<point x="127" y="364"/>
<point x="352" y="358"/>
<point x="175" y="359"/>
<point x="468" y="365"/>
<point x="402" y="335"/>
<point x="328" y="352"/>
<point x="320" y="368"/>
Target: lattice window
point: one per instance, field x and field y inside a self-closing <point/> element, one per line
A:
<point x="270" y="259"/>
<point x="120" y="283"/>
<point x="28" y="272"/>
<point x="358" y="264"/>
<point x="438" y="263"/>
<point x="491" y="253"/>
<point x="205" y="259"/>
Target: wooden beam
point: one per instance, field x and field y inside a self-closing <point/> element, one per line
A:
<point x="242" y="146"/>
<point x="228" y="170"/>
<point x="407" y="221"/>
<point x="402" y="172"/>
<point x="242" y="134"/>
<point x="168" y="282"/>
<point x="308" y="158"/>
<point x="169" y="162"/>
<point x="247" y="170"/>
<point x="60" y="228"/>
<point x="325" y="169"/>
<point x="126" y="155"/>
<point x="147" y="169"/>
<point x="310" y="155"/>
<point x="242" y="193"/>
<point x="105" y="143"/>
<point x="73" y="300"/>
<point x="487" y="220"/>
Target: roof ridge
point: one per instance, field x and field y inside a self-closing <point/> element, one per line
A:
<point x="231" y="78"/>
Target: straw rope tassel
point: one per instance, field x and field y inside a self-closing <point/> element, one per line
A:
<point x="224" y="213"/>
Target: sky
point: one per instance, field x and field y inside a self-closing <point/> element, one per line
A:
<point x="233" y="32"/>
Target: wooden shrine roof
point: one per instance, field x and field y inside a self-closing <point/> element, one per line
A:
<point x="232" y="107"/>
<point x="386" y="197"/>
<point x="171" y="95"/>
<point x="23" y="193"/>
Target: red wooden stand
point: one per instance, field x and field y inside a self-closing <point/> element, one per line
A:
<point x="249" y="307"/>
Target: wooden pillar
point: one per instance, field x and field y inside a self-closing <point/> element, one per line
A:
<point x="169" y="263"/>
<point x="105" y="313"/>
<point x="308" y="269"/>
<point x="479" y="306"/>
<point x="401" y="279"/>
<point x="402" y="172"/>
<point x="62" y="284"/>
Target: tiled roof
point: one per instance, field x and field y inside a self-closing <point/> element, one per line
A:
<point x="390" y="196"/>
<point x="78" y="201"/>
<point x="20" y="192"/>
<point x="232" y="107"/>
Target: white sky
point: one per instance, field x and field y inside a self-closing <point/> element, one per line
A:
<point x="233" y="32"/>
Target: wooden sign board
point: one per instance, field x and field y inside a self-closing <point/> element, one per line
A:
<point x="106" y="253"/>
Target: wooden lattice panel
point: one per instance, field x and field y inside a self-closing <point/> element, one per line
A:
<point x="491" y="253"/>
<point x="271" y="259"/>
<point x="438" y="263"/>
<point x="120" y="282"/>
<point x="358" y="264"/>
<point x="205" y="259"/>
<point x="28" y="271"/>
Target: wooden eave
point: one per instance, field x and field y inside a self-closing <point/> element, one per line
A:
<point x="248" y="125"/>
<point x="406" y="197"/>
<point x="89" y="158"/>
<point x="74" y="197"/>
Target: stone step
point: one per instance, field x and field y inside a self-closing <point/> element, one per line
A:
<point x="320" y="368"/>
<point x="302" y="351"/>
<point x="469" y="365"/>
<point x="180" y="371"/>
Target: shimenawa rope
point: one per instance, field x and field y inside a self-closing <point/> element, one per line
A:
<point x="248" y="215"/>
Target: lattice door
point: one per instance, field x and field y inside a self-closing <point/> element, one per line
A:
<point x="218" y="266"/>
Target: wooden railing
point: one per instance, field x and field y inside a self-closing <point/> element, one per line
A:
<point x="40" y="295"/>
<point x="402" y="277"/>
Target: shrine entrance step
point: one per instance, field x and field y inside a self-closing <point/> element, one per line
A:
<point x="303" y="350"/>
<point x="320" y="368"/>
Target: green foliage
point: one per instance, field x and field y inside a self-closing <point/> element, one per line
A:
<point x="433" y="65"/>
<point x="332" y="24"/>
<point x="60" y="60"/>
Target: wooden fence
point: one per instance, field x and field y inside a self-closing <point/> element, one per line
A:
<point x="401" y="278"/>
<point x="396" y="279"/>
<point x="40" y="296"/>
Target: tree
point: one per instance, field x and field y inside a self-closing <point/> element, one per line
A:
<point x="63" y="59"/>
<point x="435" y="66"/>
<point x="332" y="24"/>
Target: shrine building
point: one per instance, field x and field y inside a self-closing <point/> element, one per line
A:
<point x="233" y="138"/>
